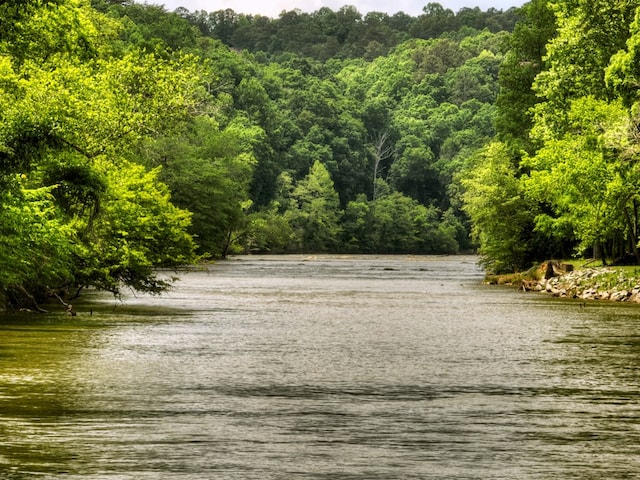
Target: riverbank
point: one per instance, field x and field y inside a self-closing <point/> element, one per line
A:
<point x="618" y="284"/>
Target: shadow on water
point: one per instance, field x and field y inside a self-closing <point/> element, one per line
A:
<point x="35" y="351"/>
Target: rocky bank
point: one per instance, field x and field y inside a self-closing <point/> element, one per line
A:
<point x="597" y="283"/>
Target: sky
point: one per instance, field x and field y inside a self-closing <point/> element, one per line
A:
<point x="272" y="8"/>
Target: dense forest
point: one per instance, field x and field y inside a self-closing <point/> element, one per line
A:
<point x="134" y="138"/>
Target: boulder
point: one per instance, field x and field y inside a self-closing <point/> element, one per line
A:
<point x="620" y="296"/>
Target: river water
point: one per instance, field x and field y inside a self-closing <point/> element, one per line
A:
<point x="323" y="368"/>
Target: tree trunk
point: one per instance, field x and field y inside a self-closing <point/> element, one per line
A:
<point x="632" y="233"/>
<point x="382" y="151"/>
<point x="32" y="299"/>
<point x="549" y="273"/>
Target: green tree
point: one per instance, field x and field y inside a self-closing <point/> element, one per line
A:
<point x="400" y="224"/>
<point x="36" y="246"/>
<point x="138" y="230"/>
<point x="209" y="171"/>
<point x="357" y="222"/>
<point x="523" y="62"/>
<point x="622" y="74"/>
<point x="315" y="213"/>
<point x="72" y="111"/>
<point x="269" y="231"/>
<point x="579" y="177"/>
<point x="589" y="33"/>
<point x="434" y="22"/>
<point x="495" y="201"/>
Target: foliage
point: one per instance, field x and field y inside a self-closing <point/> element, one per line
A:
<point x="345" y="33"/>
<point x="36" y="245"/>
<point x="133" y="138"/>
<point x="75" y="211"/>
<point x="209" y="171"/>
<point x="521" y="65"/>
<point x="579" y="172"/>
<point x="495" y="201"/>
<point x="314" y="211"/>
<point x="581" y="164"/>
<point x="137" y="231"/>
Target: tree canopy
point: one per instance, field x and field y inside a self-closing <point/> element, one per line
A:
<point x="573" y="167"/>
<point x="134" y="138"/>
<point x="75" y="209"/>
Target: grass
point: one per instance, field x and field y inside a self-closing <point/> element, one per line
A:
<point x="618" y="278"/>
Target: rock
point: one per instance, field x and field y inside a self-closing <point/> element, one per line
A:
<point x="620" y="296"/>
<point x="587" y="284"/>
<point x="553" y="268"/>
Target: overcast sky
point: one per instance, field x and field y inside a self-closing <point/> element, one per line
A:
<point x="272" y="8"/>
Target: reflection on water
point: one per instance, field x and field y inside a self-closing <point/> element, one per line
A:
<point x="324" y="367"/>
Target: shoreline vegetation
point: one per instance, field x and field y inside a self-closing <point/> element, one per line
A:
<point x="568" y="280"/>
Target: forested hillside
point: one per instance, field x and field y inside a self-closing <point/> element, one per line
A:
<point x="134" y="138"/>
<point x="319" y="138"/>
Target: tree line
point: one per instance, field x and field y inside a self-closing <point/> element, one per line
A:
<point x="399" y="124"/>
<point x="134" y="138"/>
<point x="346" y="33"/>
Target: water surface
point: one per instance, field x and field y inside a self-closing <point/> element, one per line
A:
<point x="323" y="368"/>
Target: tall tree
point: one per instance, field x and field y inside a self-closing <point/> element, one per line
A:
<point x="576" y="175"/>
<point x="589" y="33"/>
<point x="523" y="62"/>
<point x="209" y="171"/>
<point x="496" y="203"/>
<point x="316" y="211"/>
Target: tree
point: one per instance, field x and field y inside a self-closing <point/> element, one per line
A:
<point x="357" y="222"/>
<point x="36" y="247"/>
<point x="268" y="232"/>
<point x="584" y="133"/>
<point x="382" y="151"/>
<point x="589" y="33"/>
<point x="622" y="75"/>
<point x="400" y="224"/>
<point x="72" y="113"/>
<point x="580" y="177"/>
<point x="523" y="62"/>
<point x="315" y="213"/>
<point x="434" y="22"/>
<point x="138" y="230"/>
<point x="500" y="213"/>
<point x="413" y="172"/>
<point x="209" y="171"/>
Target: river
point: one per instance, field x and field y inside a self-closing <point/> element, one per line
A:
<point x="323" y="367"/>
